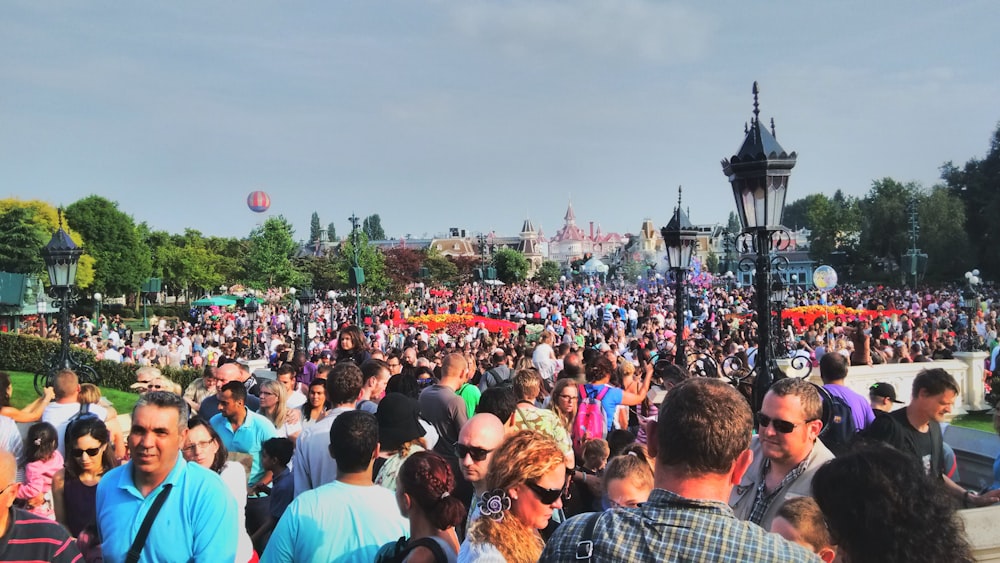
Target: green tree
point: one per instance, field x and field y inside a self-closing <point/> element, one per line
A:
<point x="269" y="259"/>
<point x="331" y="232"/>
<point x="320" y="271"/>
<point x="45" y="219"/>
<point x="372" y="227"/>
<point x="369" y="258"/>
<point x="314" y="227"/>
<point x="943" y="237"/>
<point x="122" y="261"/>
<point x="441" y="269"/>
<point x="511" y="265"/>
<point x="711" y="262"/>
<point x="884" y="222"/>
<point x="20" y="246"/>
<point x="548" y="273"/>
<point x="834" y="224"/>
<point x="733" y="224"/>
<point x="975" y="184"/>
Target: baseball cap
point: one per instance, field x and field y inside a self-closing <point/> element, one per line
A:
<point x="884" y="390"/>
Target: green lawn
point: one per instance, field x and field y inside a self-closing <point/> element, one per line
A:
<point x="978" y="421"/>
<point x="24" y="393"/>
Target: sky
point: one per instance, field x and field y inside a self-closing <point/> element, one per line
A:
<point x="478" y="114"/>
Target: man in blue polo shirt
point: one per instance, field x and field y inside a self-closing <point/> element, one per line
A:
<point x="242" y="430"/>
<point x="197" y="521"/>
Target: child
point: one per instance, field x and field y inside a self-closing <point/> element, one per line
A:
<point x="800" y="521"/>
<point x="44" y="461"/>
<point x="585" y="489"/>
<point x="628" y="478"/>
<point x="275" y="455"/>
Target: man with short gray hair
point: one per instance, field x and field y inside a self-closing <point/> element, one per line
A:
<point x="198" y="518"/>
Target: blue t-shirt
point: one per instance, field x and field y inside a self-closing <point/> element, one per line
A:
<point x="198" y="520"/>
<point x="248" y="439"/>
<point x="610" y="402"/>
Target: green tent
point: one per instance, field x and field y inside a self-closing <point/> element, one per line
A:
<point x="218" y="301"/>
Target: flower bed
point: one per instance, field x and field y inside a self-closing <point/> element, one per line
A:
<point x="448" y="322"/>
<point x="807" y="315"/>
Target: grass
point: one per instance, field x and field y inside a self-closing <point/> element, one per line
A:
<point x="976" y="421"/>
<point x="24" y="393"/>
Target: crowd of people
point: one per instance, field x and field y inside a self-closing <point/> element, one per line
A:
<point x="576" y="436"/>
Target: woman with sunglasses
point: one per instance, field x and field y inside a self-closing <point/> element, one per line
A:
<point x="204" y="447"/>
<point x="74" y="489"/>
<point x="524" y="485"/>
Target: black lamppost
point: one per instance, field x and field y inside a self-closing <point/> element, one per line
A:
<point x="779" y="297"/>
<point x="357" y="274"/>
<point x="252" y="308"/>
<point x="680" y="239"/>
<point x="759" y="174"/>
<point x="306" y="299"/>
<point x="62" y="256"/>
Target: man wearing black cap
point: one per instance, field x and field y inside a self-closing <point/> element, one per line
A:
<point x="882" y="397"/>
<point x="398" y="424"/>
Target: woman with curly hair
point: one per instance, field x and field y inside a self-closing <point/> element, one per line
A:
<point x="524" y="485"/>
<point x="424" y="494"/>
<point x="880" y="506"/>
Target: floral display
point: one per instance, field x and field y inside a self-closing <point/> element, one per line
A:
<point x="451" y="322"/>
<point x="805" y="316"/>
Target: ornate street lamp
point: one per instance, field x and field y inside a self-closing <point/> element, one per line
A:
<point x="306" y="299"/>
<point x="681" y="240"/>
<point x="252" y="309"/>
<point x="97" y="309"/>
<point x="62" y="256"/>
<point x="357" y="273"/>
<point x="758" y="174"/>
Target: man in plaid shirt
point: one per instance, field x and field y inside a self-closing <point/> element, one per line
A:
<point x="702" y="440"/>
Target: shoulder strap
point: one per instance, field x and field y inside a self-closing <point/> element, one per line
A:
<point x="135" y="550"/>
<point x="431" y="544"/>
<point x="585" y="547"/>
<point x="603" y="392"/>
<point x="937" y="449"/>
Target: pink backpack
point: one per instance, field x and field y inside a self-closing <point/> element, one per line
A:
<point x="591" y="422"/>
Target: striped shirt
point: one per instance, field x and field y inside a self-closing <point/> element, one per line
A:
<point x="31" y="538"/>
<point x="669" y="527"/>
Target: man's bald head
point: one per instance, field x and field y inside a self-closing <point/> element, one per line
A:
<point x="454" y="366"/>
<point x="228" y="372"/>
<point x="483" y="433"/>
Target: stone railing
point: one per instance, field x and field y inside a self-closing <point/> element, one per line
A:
<point x="967" y="369"/>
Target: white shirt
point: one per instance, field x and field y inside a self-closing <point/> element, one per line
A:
<point x="234" y="475"/>
<point x="58" y="415"/>
<point x="312" y="465"/>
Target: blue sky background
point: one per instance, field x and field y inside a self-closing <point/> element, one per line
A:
<point x="476" y="114"/>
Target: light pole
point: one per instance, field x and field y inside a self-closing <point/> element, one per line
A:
<point x="62" y="256"/>
<point x="97" y="310"/>
<point x="758" y="174"/>
<point x="680" y="239"/>
<point x="306" y="299"/>
<point x="778" y="296"/>
<point x="252" y="308"/>
<point x="357" y="275"/>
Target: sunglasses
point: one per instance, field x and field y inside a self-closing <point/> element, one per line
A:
<point x="782" y="426"/>
<point x="477" y="454"/>
<point x="91" y="452"/>
<point x="155" y="387"/>
<point x="545" y="496"/>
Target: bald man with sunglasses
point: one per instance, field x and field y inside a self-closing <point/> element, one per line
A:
<point x="786" y="452"/>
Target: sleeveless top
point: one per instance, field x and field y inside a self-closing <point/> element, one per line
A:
<point x="83" y="500"/>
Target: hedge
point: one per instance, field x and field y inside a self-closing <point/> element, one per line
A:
<point x="30" y="354"/>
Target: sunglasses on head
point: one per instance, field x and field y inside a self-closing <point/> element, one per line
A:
<point x="477" y="454"/>
<point x="91" y="452"/>
<point x="782" y="426"/>
<point x="545" y="496"/>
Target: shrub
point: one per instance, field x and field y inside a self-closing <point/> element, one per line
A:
<point x="31" y="354"/>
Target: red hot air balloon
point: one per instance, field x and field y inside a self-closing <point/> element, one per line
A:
<point x="258" y="201"/>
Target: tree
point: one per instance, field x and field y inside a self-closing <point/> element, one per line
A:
<point x="314" y="228"/>
<point x="331" y="232"/>
<point x="20" y="246"/>
<point x="548" y="273"/>
<point x="372" y="227"/>
<point x="884" y="222"/>
<point x="320" y="271"/>
<point x="441" y="269"/>
<point x="975" y="185"/>
<point x="402" y="265"/>
<point x="122" y="261"/>
<point x="511" y="265"/>
<point x="369" y="258"/>
<point x="269" y="260"/>
<point x="44" y="219"/>
<point x="943" y="237"/>
<point x="833" y="223"/>
<point x="733" y="224"/>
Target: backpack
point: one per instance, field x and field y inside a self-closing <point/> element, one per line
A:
<point x="839" y="436"/>
<point x="397" y="551"/>
<point x="84" y="414"/>
<point x="590" y="422"/>
<point x="493" y="379"/>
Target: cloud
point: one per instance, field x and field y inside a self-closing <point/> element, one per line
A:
<point x="660" y="32"/>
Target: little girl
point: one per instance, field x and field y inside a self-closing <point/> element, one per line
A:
<point x="44" y="461"/>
